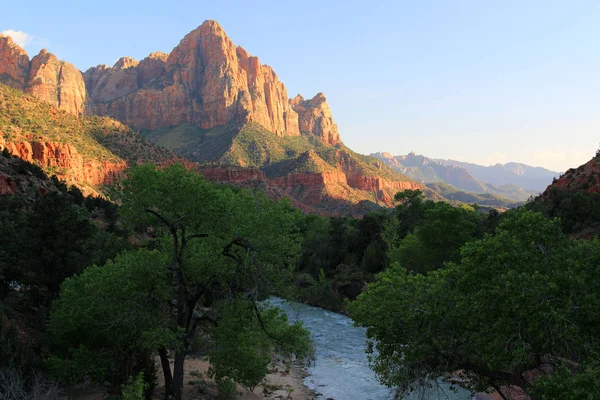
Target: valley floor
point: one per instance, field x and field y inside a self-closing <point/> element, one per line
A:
<point x="284" y="381"/>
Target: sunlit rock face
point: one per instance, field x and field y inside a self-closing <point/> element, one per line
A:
<point x="44" y="76"/>
<point x="315" y="117"/>
<point x="206" y="80"/>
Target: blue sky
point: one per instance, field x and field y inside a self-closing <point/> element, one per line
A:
<point x="480" y="81"/>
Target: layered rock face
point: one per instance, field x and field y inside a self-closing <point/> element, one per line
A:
<point x="206" y="80"/>
<point x="71" y="165"/>
<point x="314" y="116"/>
<point x="14" y="64"/>
<point x="56" y="82"/>
<point x="44" y="76"/>
<point x="106" y="84"/>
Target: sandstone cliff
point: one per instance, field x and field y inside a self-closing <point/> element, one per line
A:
<point x="65" y="161"/>
<point x="56" y="82"/>
<point x="14" y="64"/>
<point x="206" y="81"/>
<point x="45" y="76"/>
<point x="314" y="116"/>
<point x="83" y="151"/>
<point x="203" y="96"/>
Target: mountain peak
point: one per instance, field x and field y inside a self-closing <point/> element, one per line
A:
<point x="207" y="28"/>
<point x="125" y="62"/>
<point x="314" y="117"/>
<point x="320" y="97"/>
<point x="14" y="63"/>
<point x="210" y="25"/>
<point x="206" y="80"/>
<point x="157" y="55"/>
<point x="6" y="40"/>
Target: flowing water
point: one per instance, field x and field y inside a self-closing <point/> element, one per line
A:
<point x="341" y="369"/>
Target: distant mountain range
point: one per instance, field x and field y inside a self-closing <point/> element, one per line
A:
<point x="512" y="180"/>
<point x="525" y="176"/>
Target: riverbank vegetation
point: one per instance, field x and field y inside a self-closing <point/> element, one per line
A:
<point x="95" y="302"/>
<point x="97" y="291"/>
<point x="340" y="256"/>
<point x="517" y="308"/>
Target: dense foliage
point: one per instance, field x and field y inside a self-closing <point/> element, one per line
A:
<point x="440" y="289"/>
<point x="516" y="300"/>
<point x="579" y="211"/>
<point x="212" y="247"/>
<point x="340" y="256"/>
<point x="47" y="234"/>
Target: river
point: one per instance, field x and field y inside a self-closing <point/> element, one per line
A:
<point x="341" y="368"/>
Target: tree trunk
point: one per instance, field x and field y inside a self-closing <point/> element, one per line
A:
<point x="498" y="389"/>
<point x="178" y="372"/>
<point x="166" y="367"/>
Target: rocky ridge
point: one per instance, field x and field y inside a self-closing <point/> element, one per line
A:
<point x="585" y="178"/>
<point x="314" y="116"/>
<point x="64" y="159"/>
<point x="206" y="80"/>
<point x="44" y="76"/>
<point x="435" y="173"/>
<point x="84" y="151"/>
<point x="212" y="89"/>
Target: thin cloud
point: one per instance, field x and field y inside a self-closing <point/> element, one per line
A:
<point x="19" y="37"/>
<point x="24" y="39"/>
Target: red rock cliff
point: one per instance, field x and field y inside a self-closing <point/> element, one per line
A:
<point x="14" y="64"/>
<point x="206" y="80"/>
<point x="57" y="82"/>
<point x="315" y="117"/>
<point x="585" y="178"/>
<point x="70" y="165"/>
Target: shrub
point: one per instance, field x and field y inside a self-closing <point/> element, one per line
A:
<point x="14" y="387"/>
<point x="135" y="389"/>
<point x="227" y="388"/>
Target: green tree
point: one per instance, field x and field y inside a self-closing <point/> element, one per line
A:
<point x="245" y="344"/>
<point x="216" y="246"/>
<point x="50" y="238"/>
<point x="374" y="258"/>
<point x="438" y="239"/>
<point x="525" y="296"/>
<point x="410" y="210"/>
<point x="108" y="321"/>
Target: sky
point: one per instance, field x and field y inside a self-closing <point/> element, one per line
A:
<point x="473" y="80"/>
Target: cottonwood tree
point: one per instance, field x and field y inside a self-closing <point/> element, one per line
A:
<point x="219" y="246"/>
<point x="522" y="297"/>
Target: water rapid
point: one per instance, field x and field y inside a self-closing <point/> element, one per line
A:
<point x="341" y="368"/>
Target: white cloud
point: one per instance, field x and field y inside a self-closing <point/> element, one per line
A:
<point x="19" y="37"/>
